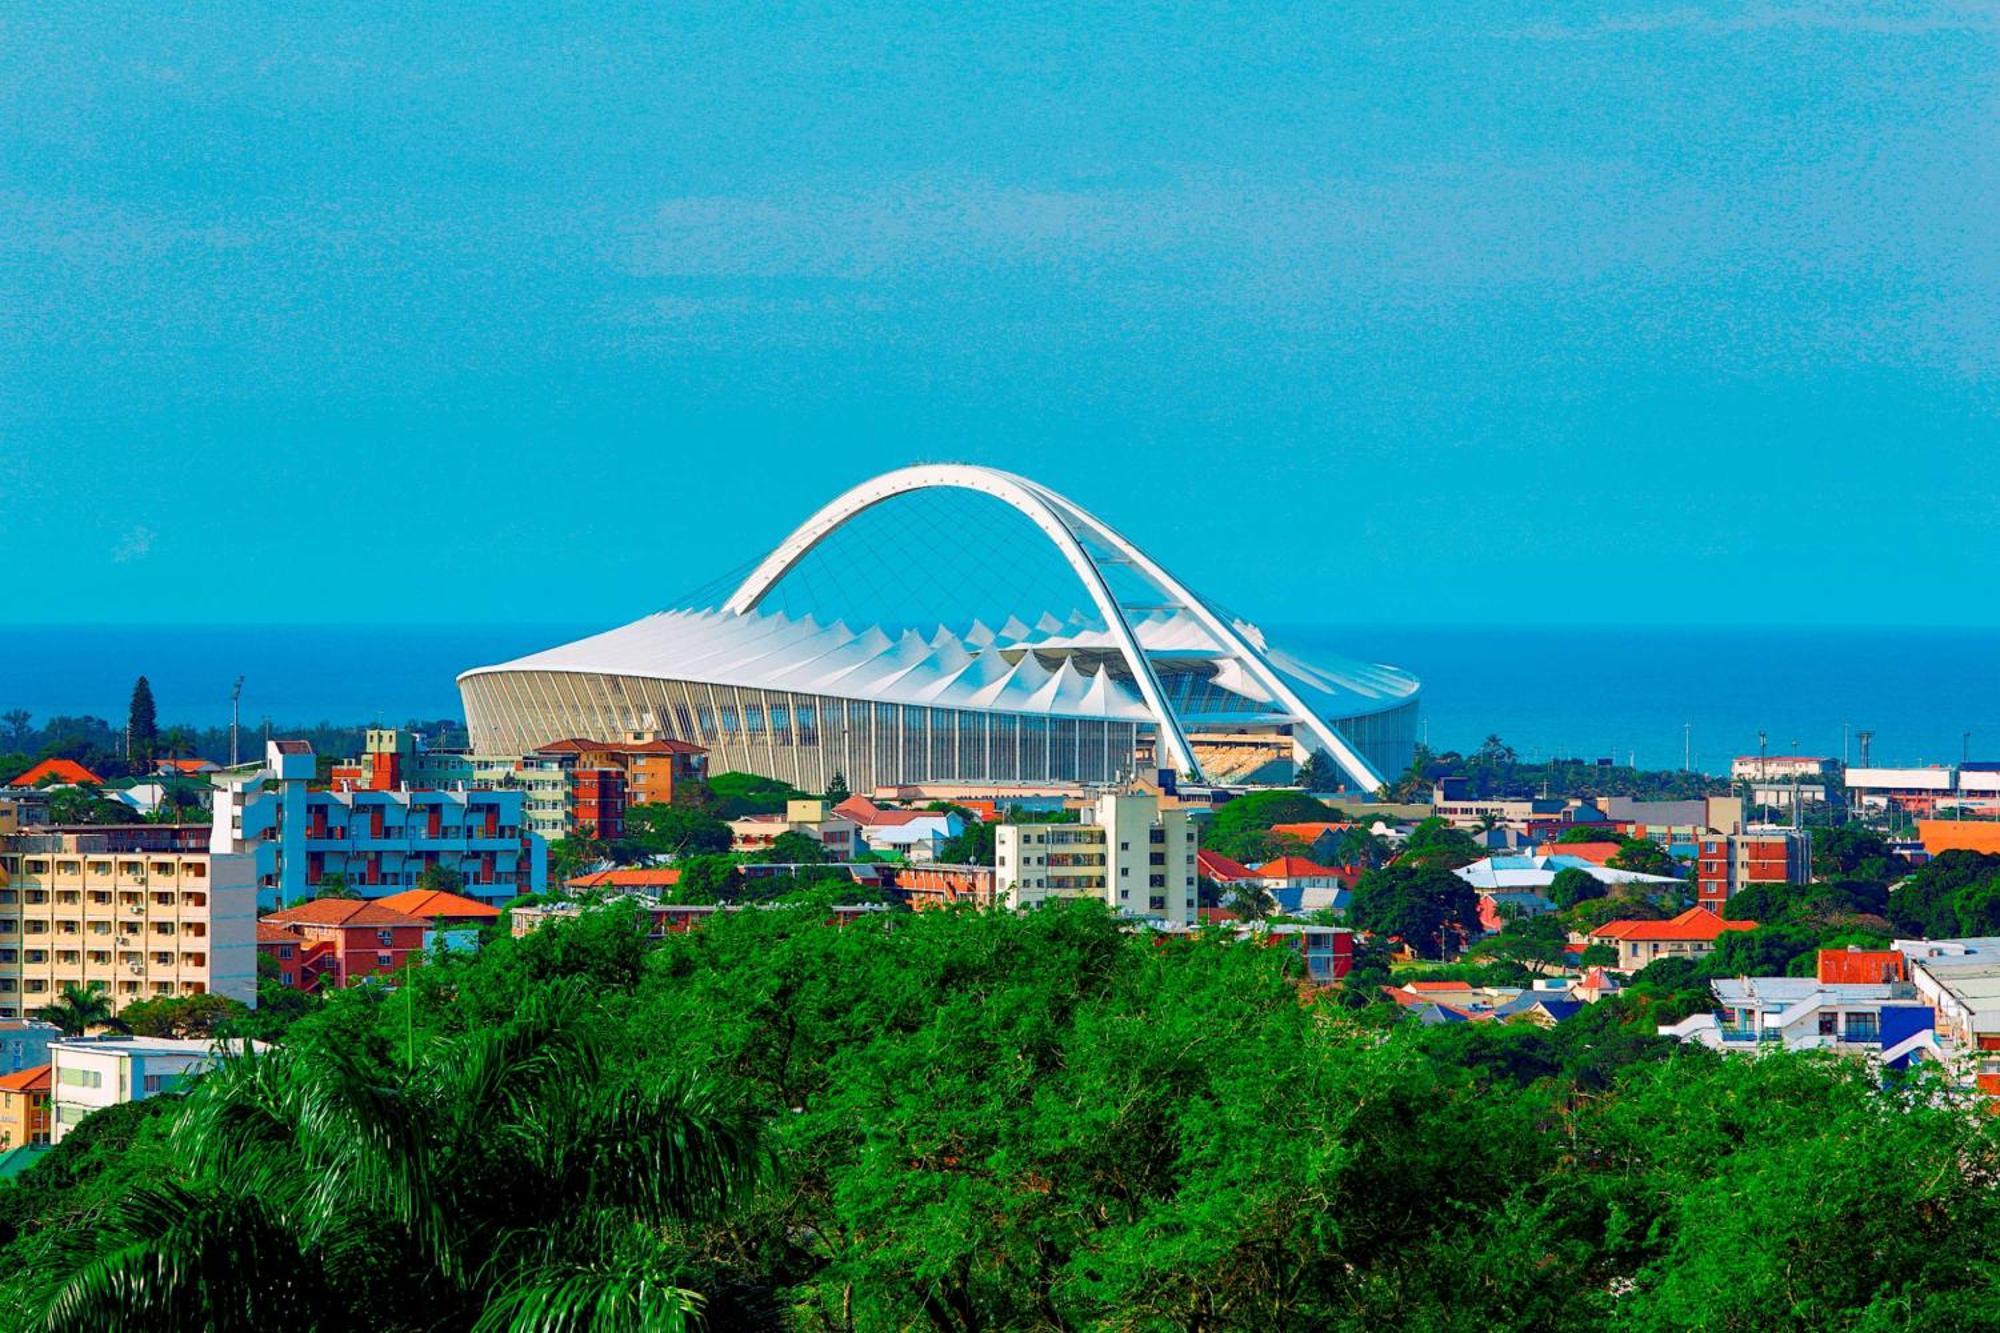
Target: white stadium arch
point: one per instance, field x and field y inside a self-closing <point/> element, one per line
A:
<point x="756" y="685"/>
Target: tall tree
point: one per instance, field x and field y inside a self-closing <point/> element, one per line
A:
<point x="836" y="787"/>
<point x="80" y="1009"/>
<point x="142" y="727"/>
<point x="18" y="722"/>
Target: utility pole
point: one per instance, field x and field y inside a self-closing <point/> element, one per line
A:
<point x="235" y="719"/>
<point x="1843" y="743"/>
<point x="1864" y="737"/>
<point x="1687" y="747"/>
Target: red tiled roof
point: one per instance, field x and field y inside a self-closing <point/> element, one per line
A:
<point x="656" y="878"/>
<point x="62" y="770"/>
<point x="1595" y="852"/>
<point x="269" y="934"/>
<point x="340" y="912"/>
<point x="579" y="745"/>
<point x="1296" y="867"/>
<point x="428" y="903"/>
<point x="35" y="1078"/>
<point x="1860" y="966"/>
<point x="1220" y="868"/>
<point x="185" y="766"/>
<point x="1434" y="987"/>
<point x="1697" y="923"/>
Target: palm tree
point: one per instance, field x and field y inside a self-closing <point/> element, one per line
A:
<point x="500" y="1180"/>
<point x="80" y="1009"/>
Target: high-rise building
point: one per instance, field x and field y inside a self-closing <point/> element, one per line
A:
<point x="1131" y="851"/>
<point x="145" y="912"/>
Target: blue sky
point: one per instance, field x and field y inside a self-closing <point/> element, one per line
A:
<point x="1578" y="314"/>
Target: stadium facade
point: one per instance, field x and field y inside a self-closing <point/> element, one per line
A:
<point x="1149" y="677"/>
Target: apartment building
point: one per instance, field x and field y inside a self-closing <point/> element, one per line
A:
<point x="376" y="841"/>
<point x="1728" y="863"/>
<point x="88" y="1074"/>
<point x="1134" y="852"/>
<point x="145" y="912"/>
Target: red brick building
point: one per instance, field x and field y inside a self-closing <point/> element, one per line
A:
<point x="1730" y="862"/>
<point x="345" y="939"/>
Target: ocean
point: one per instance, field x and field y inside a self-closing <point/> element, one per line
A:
<point x="1629" y="694"/>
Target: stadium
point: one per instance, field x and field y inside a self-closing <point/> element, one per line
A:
<point x="802" y="668"/>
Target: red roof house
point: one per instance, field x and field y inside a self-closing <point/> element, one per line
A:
<point x="347" y="939"/>
<point x="435" y="905"/>
<point x="58" y="770"/>
<point x="1692" y="934"/>
<point x="1221" y="869"/>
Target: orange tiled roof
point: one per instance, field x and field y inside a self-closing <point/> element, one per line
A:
<point x="1435" y="987"/>
<point x="1697" y="923"/>
<point x="1860" y="966"/>
<point x="428" y="903"/>
<point x="1310" y="830"/>
<point x="1296" y="867"/>
<point x="62" y="770"/>
<point x="649" y="878"/>
<point x="340" y="912"/>
<point x="35" y="1078"/>
<point x="270" y="934"/>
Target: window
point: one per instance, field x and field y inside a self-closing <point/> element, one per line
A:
<point x="1829" y="1023"/>
<point x="162" y="1083"/>
<point x="1864" y="1027"/>
<point x="385" y="959"/>
<point x="80" y="1078"/>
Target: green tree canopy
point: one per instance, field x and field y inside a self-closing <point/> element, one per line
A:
<point x="675" y="830"/>
<point x="1573" y="885"/>
<point x="1427" y="907"/>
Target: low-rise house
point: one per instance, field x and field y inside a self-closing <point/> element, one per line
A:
<point x="1805" y="1013"/>
<point x="348" y="939"/>
<point x="915" y="835"/>
<point x="838" y="836"/>
<point x="627" y="879"/>
<point x="1692" y="934"/>
<point x="58" y="772"/>
<point x="1328" y="951"/>
<point x="88" y="1074"/>
<point x="24" y="1107"/>
<point x="1300" y="885"/>
<point x="1221" y="869"/>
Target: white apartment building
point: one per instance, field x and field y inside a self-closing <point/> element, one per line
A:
<point x="1130" y="852"/>
<point x="88" y="1074"/>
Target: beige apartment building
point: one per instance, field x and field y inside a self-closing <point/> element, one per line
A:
<point x="145" y="911"/>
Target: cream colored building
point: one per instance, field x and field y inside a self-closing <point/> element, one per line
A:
<point x="145" y="912"/>
<point x="1132" y="852"/>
